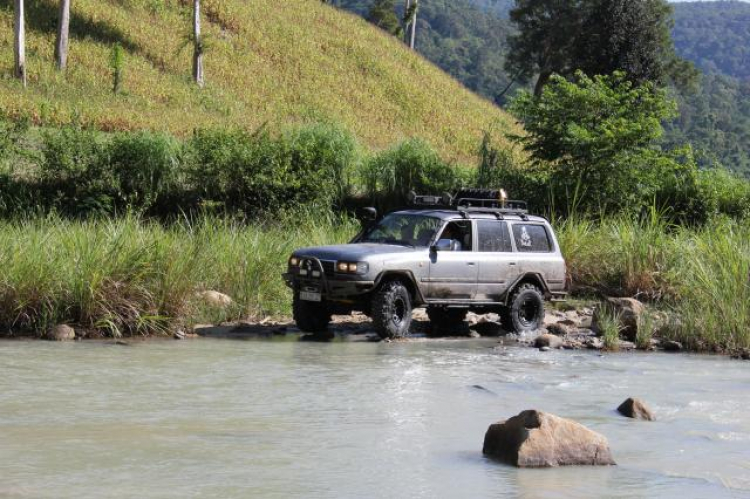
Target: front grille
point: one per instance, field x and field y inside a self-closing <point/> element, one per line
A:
<point x="329" y="267"/>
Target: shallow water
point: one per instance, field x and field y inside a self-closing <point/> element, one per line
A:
<point x="227" y="418"/>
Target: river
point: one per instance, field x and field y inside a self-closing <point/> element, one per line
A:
<point x="282" y="418"/>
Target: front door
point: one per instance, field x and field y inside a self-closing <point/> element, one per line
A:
<point x="453" y="267"/>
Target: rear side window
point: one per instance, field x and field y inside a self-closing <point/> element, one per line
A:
<point x="532" y="238"/>
<point x="493" y="236"/>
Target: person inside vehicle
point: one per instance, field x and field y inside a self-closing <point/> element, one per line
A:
<point x="451" y="238"/>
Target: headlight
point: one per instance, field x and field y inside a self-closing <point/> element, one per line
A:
<point x="352" y="267"/>
<point x="294" y="261"/>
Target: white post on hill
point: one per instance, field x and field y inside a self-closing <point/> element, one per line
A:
<point x="19" y="41"/>
<point x="197" y="44"/>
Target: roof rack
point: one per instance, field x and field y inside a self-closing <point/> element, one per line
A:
<point x="472" y="201"/>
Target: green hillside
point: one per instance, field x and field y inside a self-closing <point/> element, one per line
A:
<point x="267" y="62"/>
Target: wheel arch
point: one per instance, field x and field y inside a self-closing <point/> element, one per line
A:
<point x="529" y="278"/>
<point x="407" y="278"/>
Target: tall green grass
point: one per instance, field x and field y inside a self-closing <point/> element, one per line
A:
<point x="701" y="276"/>
<point x="126" y="276"/>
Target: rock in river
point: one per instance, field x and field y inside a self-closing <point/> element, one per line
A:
<point x="636" y="409"/>
<point x="548" y="340"/>
<point x="535" y="439"/>
<point x="61" y="332"/>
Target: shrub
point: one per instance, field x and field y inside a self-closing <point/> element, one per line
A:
<point x="258" y="172"/>
<point x="413" y="165"/>
<point x="75" y="177"/>
<point x="146" y="168"/>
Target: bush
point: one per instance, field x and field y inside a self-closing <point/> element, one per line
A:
<point x="258" y="172"/>
<point x="413" y="165"/>
<point x="145" y="167"/>
<point x="75" y="177"/>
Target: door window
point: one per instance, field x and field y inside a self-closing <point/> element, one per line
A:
<point x="457" y="235"/>
<point x="532" y="238"/>
<point x="493" y="236"/>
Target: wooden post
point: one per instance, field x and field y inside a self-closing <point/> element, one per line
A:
<point x="413" y="38"/>
<point x="198" y="45"/>
<point x="407" y="6"/>
<point x="61" y="44"/>
<point x="19" y="42"/>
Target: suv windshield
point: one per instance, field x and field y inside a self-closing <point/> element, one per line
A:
<point x="405" y="230"/>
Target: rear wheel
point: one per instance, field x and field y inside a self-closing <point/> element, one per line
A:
<point x="525" y="311"/>
<point x="447" y="321"/>
<point x="311" y="316"/>
<point x="391" y="310"/>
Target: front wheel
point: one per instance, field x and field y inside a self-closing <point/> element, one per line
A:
<point x="525" y="312"/>
<point x="391" y="310"/>
<point x="310" y="316"/>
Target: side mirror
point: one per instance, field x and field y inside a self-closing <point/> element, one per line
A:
<point x="445" y="245"/>
<point x="367" y="215"/>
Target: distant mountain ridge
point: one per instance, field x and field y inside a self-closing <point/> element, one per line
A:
<point x="714" y="35"/>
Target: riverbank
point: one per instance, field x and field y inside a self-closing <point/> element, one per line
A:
<point x="129" y="277"/>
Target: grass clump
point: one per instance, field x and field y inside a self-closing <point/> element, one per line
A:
<point x="609" y="327"/>
<point x="129" y="276"/>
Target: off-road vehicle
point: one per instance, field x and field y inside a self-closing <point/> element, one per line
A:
<point x="474" y="251"/>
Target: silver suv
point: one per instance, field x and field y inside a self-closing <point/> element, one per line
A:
<point x="471" y="252"/>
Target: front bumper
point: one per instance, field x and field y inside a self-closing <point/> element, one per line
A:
<point x="332" y="287"/>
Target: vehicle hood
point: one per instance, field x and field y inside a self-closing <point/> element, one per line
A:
<point x="353" y="252"/>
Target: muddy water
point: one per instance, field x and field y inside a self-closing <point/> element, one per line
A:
<point x="275" y="419"/>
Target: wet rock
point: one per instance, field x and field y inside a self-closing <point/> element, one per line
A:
<point x="629" y="311"/>
<point x="536" y="439"/>
<point x="548" y="340"/>
<point x="745" y="354"/>
<point x="636" y="409"/>
<point x="672" y="346"/>
<point x="179" y="334"/>
<point x="61" y="332"/>
<point x="594" y="344"/>
<point x="544" y="349"/>
<point x="215" y="299"/>
<point x="625" y="345"/>
<point x="561" y="329"/>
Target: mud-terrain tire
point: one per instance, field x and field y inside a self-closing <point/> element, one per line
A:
<point x="310" y="316"/>
<point x="391" y="310"/>
<point x="447" y="321"/>
<point x="525" y="310"/>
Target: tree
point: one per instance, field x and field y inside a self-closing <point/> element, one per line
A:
<point x="19" y="41"/>
<point x="633" y="36"/>
<point x="382" y="14"/>
<point x="597" y="37"/>
<point x="598" y="138"/>
<point x="197" y="45"/>
<point x="61" y="44"/>
<point x="544" y="40"/>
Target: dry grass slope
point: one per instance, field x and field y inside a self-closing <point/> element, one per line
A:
<point x="267" y="62"/>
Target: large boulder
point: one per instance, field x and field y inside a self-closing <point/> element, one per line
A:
<point x="629" y="311"/>
<point x="636" y="409"/>
<point x="61" y="332"/>
<point x="535" y="439"/>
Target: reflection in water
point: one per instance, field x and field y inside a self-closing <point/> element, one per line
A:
<point x="221" y="418"/>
